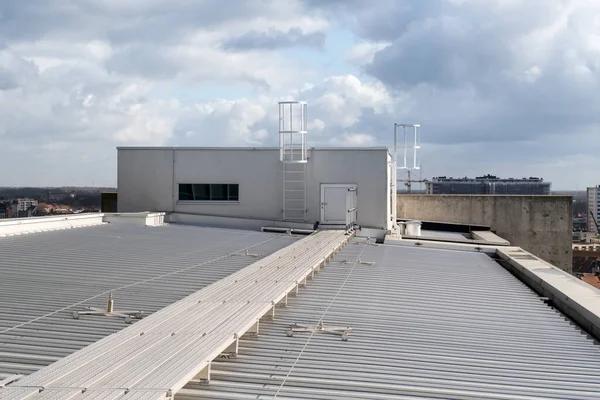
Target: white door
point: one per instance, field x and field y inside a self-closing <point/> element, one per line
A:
<point x="338" y="204"/>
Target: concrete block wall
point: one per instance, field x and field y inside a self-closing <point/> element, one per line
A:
<point x="541" y="225"/>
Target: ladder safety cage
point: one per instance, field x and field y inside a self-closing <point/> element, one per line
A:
<point x="411" y="142"/>
<point x="292" y="131"/>
<point x="407" y="145"/>
<point x="293" y="156"/>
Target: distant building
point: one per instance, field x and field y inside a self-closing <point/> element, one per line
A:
<point x="585" y="237"/>
<point x="25" y="204"/>
<point x="593" y="207"/>
<point x="488" y="184"/>
<point x="62" y="209"/>
<point x="44" y="208"/>
<point x="580" y="223"/>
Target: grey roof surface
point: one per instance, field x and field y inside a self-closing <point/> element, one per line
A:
<point x="427" y="324"/>
<point x="46" y="276"/>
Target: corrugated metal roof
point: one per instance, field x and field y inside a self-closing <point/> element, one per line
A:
<point x="166" y="350"/>
<point x="427" y="324"/>
<point x="46" y="276"/>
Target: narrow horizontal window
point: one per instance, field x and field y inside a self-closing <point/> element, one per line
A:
<point x="208" y="192"/>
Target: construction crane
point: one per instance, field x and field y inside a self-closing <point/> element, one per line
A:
<point x="408" y="182"/>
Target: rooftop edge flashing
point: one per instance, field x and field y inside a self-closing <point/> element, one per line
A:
<point x="574" y="298"/>
<point x="22" y="226"/>
<point x="445" y="245"/>
<point x="137" y="218"/>
<point x="489" y="237"/>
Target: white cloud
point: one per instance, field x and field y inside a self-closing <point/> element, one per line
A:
<point x="363" y="52"/>
<point x="532" y="74"/>
<point x="354" y="139"/>
<point x="77" y="103"/>
<point x="254" y="121"/>
<point x="486" y="79"/>
<point x="316" y="125"/>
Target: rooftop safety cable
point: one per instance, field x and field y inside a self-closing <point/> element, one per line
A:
<point x="104" y="293"/>
<point x="321" y="319"/>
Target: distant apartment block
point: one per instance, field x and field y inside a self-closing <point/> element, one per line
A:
<point x="25" y="204"/>
<point x="488" y="184"/>
<point x="593" y="208"/>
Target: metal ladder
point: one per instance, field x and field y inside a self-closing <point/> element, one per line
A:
<point x="294" y="191"/>
<point x="293" y="156"/>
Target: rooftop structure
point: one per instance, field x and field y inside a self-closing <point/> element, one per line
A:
<point x="539" y="224"/>
<point x="488" y="184"/>
<point x="339" y="187"/>
<point x="246" y="314"/>
<point x="293" y="184"/>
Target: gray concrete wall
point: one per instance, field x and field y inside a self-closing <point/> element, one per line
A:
<point x="148" y="180"/>
<point x="539" y="224"/>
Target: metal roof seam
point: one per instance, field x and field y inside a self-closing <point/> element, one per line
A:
<point x="356" y="262"/>
<point x="106" y="292"/>
<point x="79" y="264"/>
<point x="424" y="326"/>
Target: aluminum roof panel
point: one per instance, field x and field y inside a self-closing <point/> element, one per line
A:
<point x="426" y="324"/>
<point x="48" y="275"/>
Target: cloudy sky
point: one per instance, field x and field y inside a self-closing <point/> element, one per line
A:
<point x="508" y="87"/>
